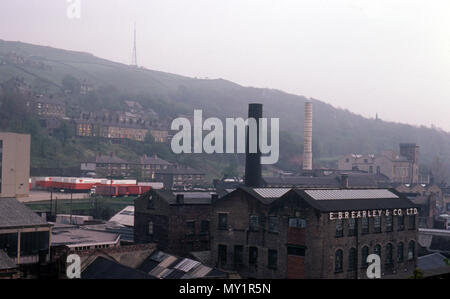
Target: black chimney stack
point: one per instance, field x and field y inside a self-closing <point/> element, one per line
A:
<point x="253" y="177"/>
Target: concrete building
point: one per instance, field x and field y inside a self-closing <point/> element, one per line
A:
<point x="295" y="233"/>
<point x="14" y="164"/>
<point x="399" y="168"/>
<point x="177" y="221"/>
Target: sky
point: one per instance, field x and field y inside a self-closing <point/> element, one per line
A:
<point x="368" y="56"/>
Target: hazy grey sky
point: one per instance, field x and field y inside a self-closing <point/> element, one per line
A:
<point x="390" y="57"/>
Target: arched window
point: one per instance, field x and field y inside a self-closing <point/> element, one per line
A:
<point x="400" y="252"/>
<point x="377" y="250"/>
<point x="364" y="255"/>
<point x="338" y="261"/>
<point x="352" y="255"/>
<point x="411" y="250"/>
<point x="389" y="254"/>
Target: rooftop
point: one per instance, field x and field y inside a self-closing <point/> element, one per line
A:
<point x="6" y="263"/>
<point x="15" y="214"/>
<point x="124" y="217"/>
<point x="162" y="265"/>
<point x="103" y="268"/>
<point x="350" y="194"/>
<point x="78" y="236"/>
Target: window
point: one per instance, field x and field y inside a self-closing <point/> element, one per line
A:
<point x="364" y="255"/>
<point x="223" y="221"/>
<point x="389" y="223"/>
<point x="273" y="224"/>
<point x="389" y="254"/>
<point x="352" y="227"/>
<point x="297" y="222"/>
<point x="338" y="261"/>
<point x="364" y="225"/>
<point x="272" y="262"/>
<point x="190" y="228"/>
<point x="238" y="255"/>
<point x="254" y="223"/>
<point x="377" y="250"/>
<point x="352" y="255"/>
<point x="378" y="170"/>
<point x="222" y="254"/>
<point x="400" y="252"/>
<point x="339" y="229"/>
<point x="253" y="256"/>
<point x="370" y="169"/>
<point x="411" y="221"/>
<point x="204" y="227"/>
<point x="400" y="222"/>
<point x="411" y="250"/>
<point x="377" y="224"/>
<point x="347" y="160"/>
<point x="150" y="228"/>
<point x="296" y="250"/>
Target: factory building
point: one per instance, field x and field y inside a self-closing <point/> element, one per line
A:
<point x="296" y="233"/>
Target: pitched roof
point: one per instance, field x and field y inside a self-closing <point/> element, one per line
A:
<point x="432" y="261"/>
<point x="354" y="199"/>
<point x="264" y="195"/>
<point x="6" y="262"/>
<point x="362" y="180"/>
<point x="103" y="268"/>
<point x="16" y="214"/>
<point x="166" y="266"/>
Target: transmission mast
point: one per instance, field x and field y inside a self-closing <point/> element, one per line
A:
<point x="134" y="57"/>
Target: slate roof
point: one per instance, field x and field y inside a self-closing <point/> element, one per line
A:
<point x="361" y="199"/>
<point x="6" y="262"/>
<point x="103" y="268"/>
<point x="16" y="214"/>
<point x="165" y="266"/>
<point x="329" y="181"/>
<point x="264" y="195"/>
<point x="432" y="261"/>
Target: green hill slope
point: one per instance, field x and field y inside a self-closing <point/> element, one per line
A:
<point x="336" y="131"/>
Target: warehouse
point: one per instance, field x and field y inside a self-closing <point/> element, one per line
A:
<point x="288" y="233"/>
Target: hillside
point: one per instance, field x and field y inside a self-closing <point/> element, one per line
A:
<point x="336" y="131"/>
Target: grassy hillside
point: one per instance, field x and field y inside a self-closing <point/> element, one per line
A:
<point x="336" y="131"/>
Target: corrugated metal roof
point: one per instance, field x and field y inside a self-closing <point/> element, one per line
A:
<point x="351" y="194"/>
<point x="186" y="265"/>
<point x="157" y="271"/>
<point x="168" y="261"/>
<point x="271" y="192"/>
<point x="198" y="272"/>
<point x="159" y="256"/>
